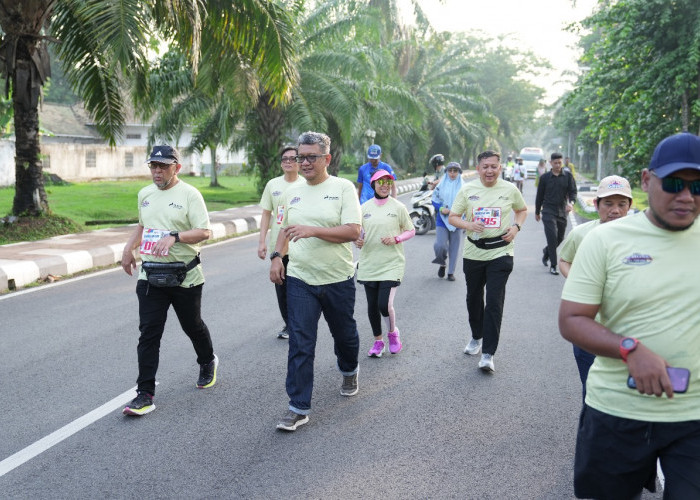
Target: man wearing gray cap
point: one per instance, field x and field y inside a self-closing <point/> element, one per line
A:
<point x="631" y="298"/>
<point x="613" y="201"/>
<point x="173" y="221"/>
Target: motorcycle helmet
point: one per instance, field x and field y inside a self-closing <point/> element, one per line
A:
<point x="437" y="160"/>
<point x="379" y="174"/>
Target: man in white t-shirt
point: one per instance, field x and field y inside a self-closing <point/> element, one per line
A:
<point x="321" y="218"/>
<point x="631" y="298"/>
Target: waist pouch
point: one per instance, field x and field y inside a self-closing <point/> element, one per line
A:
<point x="168" y="274"/>
<point x="489" y="243"/>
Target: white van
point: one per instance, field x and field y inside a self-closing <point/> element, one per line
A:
<point x="531" y="157"/>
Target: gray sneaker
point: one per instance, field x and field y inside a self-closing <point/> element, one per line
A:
<point x="473" y="347"/>
<point x="291" y="420"/>
<point x="486" y="363"/>
<point x="349" y="387"/>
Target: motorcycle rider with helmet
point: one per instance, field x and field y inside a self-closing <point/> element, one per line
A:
<point x="438" y="163"/>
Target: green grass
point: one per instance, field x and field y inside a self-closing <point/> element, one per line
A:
<point x="116" y="201"/>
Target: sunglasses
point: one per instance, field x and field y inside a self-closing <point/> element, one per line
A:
<point x="162" y="166"/>
<point x="675" y="185"/>
<point x="309" y="158"/>
<point x="384" y="182"/>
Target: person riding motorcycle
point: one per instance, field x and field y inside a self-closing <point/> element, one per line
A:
<point x="438" y="163"/>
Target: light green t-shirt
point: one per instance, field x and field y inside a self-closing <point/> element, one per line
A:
<point x="271" y="201"/>
<point x="574" y="238"/>
<point x="645" y="280"/>
<point x="380" y="262"/>
<point x="494" y="206"/>
<point x="179" y="208"/>
<point x="328" y="204"/>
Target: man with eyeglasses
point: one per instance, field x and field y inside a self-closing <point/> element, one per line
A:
<point x="639" y="274"/>
<point x="173" y="221"/>
<point x="271" y="201"/>
<point x="366" y="171"/>
<point x="321" y="218"/>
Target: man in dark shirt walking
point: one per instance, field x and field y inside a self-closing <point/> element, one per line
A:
<point x="556" y="194"/>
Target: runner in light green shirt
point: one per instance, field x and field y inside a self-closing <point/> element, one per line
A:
<point x="386" y="225"/>
<point x="491" y="211"/>
<point x="631" y="299"/>
<point x="272" y="217"/>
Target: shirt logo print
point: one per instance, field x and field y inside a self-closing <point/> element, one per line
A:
<point x="637" y="259"/>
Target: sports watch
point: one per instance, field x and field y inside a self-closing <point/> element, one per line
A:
<point x="175" y="235"/>
<point x="627" y="345"/>
<point x="517" y="225"/>
<point x="275" y="254"/>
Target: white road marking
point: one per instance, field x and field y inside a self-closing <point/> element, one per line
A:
<point x="31" y="451"/>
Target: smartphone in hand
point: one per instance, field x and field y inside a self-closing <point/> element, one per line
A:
<point x="680" y="377"/>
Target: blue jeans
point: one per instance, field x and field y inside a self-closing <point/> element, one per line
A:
<point x="306" y="303"/>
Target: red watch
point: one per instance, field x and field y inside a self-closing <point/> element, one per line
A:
<point x="627" y="345"/>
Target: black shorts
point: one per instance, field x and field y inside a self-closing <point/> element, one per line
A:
<point x="616" y="457"/>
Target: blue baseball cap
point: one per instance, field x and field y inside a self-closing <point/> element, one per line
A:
<point x="374" y="152"/>
<point x="676" y="152"/>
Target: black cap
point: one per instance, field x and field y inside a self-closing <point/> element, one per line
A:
<point x="164" y="154"/>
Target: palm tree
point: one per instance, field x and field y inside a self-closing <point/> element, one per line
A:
<point x="105" y="48"/>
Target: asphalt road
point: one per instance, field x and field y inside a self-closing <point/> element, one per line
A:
<point x="425" y="424"/>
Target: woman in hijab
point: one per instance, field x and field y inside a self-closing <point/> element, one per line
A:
<point x="448" y="238"/>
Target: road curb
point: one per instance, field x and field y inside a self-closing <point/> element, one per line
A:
<point x="22" y="264"/>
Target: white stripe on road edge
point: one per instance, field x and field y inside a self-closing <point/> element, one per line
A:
<point x="31" y="451"/>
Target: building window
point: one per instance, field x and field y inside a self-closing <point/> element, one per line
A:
<point x="90" y="159"/>
<point x="46" y="162"/>
<point x="133" y="136"/>
<point x="129" y="160"/>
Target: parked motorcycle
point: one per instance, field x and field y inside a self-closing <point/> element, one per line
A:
<point x="423" y="213"/>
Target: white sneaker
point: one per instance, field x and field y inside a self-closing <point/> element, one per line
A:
<point x="473" y="347"/>
<point x="486" y="363"/>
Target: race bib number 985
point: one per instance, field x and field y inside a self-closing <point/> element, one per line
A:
<point x="149" y="238"/>
<point x="489" y="216"/>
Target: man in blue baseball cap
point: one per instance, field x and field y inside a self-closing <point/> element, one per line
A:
<point x="364" y="175"/>
<point x="631" y="298"/>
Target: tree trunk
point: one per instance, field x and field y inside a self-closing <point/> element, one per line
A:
<point x="30" y="196"/>
<point x="214" y="174"/>
<point x="265" y="139"/>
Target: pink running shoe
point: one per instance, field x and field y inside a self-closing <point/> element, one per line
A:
<point x="394" y="342"/>
<point x="377" y="349"/>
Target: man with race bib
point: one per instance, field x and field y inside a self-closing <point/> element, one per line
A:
<point x="494" y="211"/>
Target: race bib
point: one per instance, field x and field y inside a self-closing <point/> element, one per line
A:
<point x="149" y="238"/>
<point x="489" y="216"/>
<point x="280" y="214"/>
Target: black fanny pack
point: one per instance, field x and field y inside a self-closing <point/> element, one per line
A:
<point x="489" y="243"/>
<point x="168" y="274"/>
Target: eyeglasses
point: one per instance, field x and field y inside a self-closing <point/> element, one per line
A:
<point x="675" y="185"/>
<point x="384" y="182"/>
<point x="289" y="159"/>
<point x="162" y="166"/>
<point x="309" y="158"/>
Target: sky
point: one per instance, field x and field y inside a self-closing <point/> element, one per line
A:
<point x="538" y="25"/>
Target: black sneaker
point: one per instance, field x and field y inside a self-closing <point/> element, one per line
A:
<point x="545" y="260"/>
<point x="283" y="333"/>
<point x="451" y="277"/>
<point x="291" y="420"/>
<point x="441" y="272"/>
<point x="140" y="405"/>
<point x="553" y="270"/>
<point x="207" y="374"/>
<point x="349" y="387"/>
